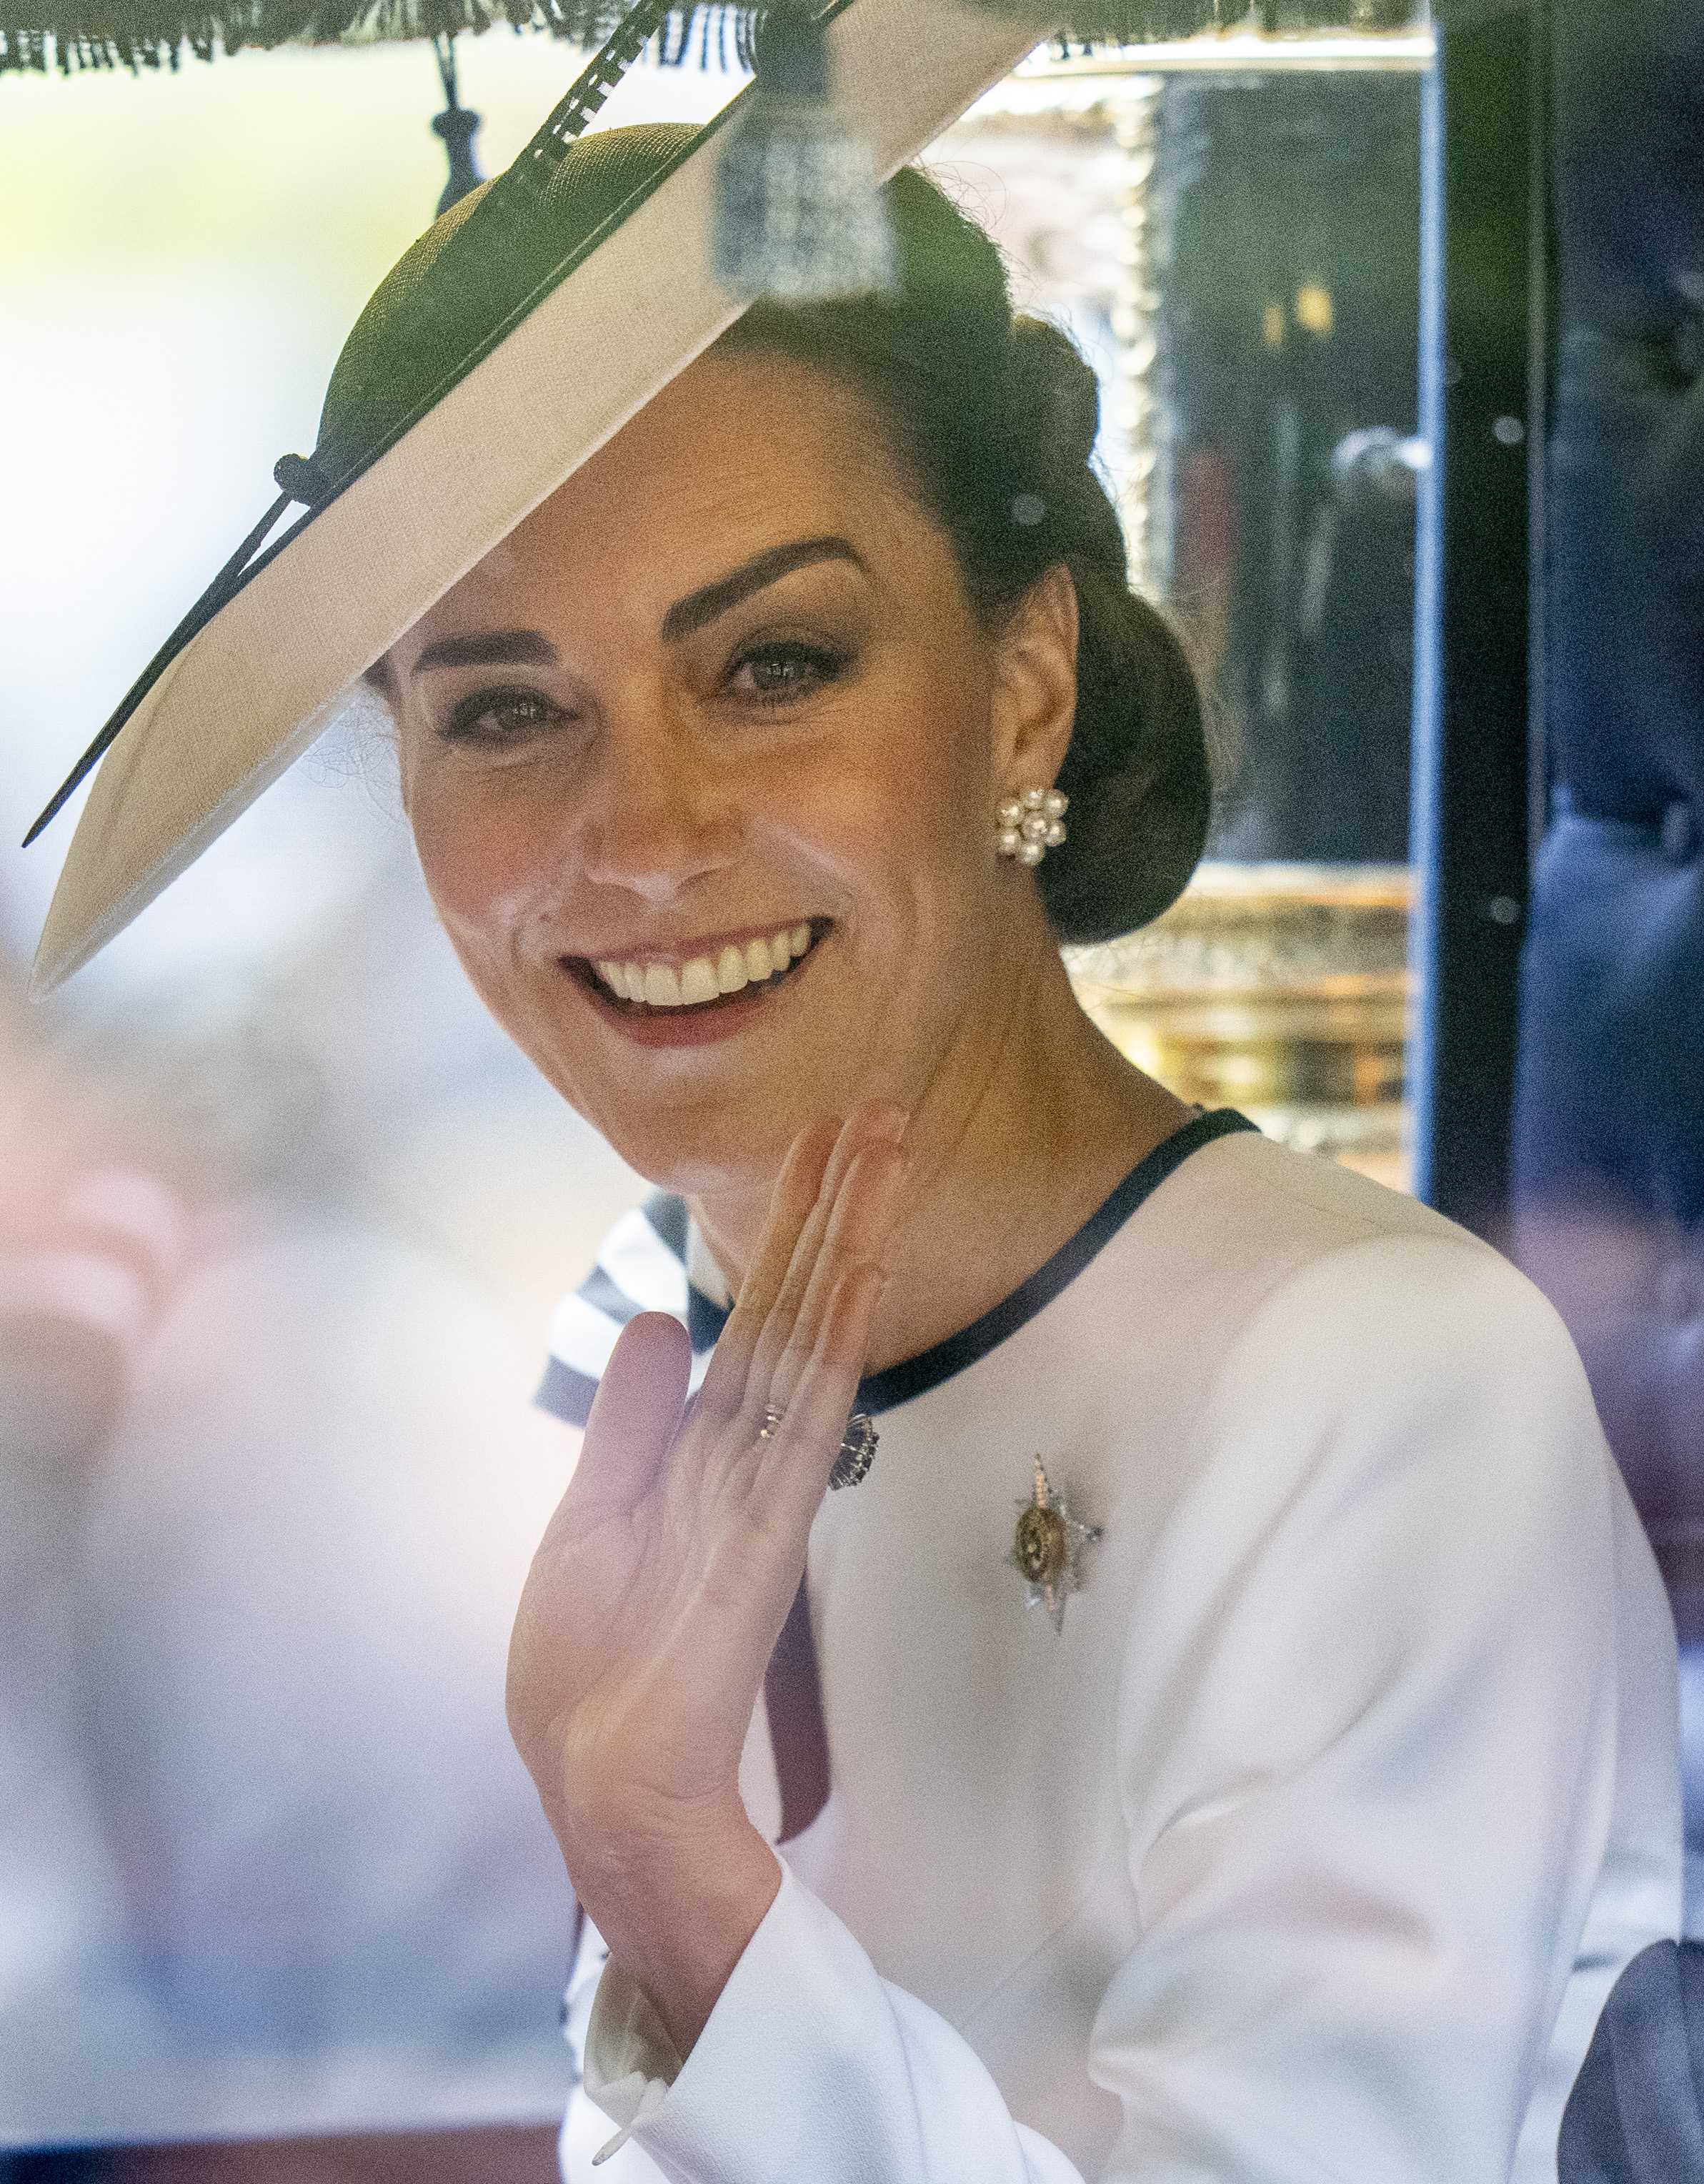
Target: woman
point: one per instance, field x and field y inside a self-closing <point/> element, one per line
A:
<point x="1307" y="1843"/>
<point x="1303" y="1832"/>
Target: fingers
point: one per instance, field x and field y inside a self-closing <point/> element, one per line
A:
<point x="796" y="1192"/>
<point x="864" y="1129"/>
<point x="807" y="1176"/>
<point x="635" y="1414"/>
<point x="856" y="1237"/>
<point x="793" y="1475"/>
<point x="812" y="1183"/>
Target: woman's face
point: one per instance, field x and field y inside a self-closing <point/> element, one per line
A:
<point x="702" y="764"/>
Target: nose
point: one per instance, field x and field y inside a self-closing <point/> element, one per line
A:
<point x="658" y="817"/>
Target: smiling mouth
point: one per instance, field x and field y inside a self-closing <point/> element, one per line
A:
<point x="646" y="985"/>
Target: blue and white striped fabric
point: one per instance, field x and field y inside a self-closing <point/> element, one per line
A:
<point x="651" y="1261"/>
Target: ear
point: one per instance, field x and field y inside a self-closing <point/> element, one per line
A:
<point x="1034" y="699"/>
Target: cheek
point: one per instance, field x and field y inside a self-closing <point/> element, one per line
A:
<point x="925" y="817"/>
<point x="484" y="860"/>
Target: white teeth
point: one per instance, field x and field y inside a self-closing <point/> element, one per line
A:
<point x="697" y="981"/>
<point x="660" y="986"/>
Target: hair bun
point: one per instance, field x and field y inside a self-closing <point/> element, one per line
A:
<point x="1056" y="398"/>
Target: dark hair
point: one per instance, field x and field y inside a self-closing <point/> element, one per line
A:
<point x="992" y="419"/>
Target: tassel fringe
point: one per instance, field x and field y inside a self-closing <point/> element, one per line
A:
<point x="39" y="35"/>
<point x="152" y="34"/>
<point x="1156" y="22"/>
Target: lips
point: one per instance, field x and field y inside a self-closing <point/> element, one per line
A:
<point x="646" y="985"/>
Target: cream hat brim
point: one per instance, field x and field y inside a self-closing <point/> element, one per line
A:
<point x="279" y="663"/>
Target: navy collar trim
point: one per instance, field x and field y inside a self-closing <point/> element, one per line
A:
<point x="914" y="1376"/>
<point x="568" y="1392"/>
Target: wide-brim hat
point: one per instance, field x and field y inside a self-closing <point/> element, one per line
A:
<point x="608" y="290"/>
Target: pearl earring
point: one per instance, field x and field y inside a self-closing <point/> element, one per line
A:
<point x="1030" y="824"/>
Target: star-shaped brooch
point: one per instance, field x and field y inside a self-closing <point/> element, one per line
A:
<point x="1047" y="1553"/>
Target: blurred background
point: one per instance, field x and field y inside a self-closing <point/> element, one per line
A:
<point x="281" y="1214"/>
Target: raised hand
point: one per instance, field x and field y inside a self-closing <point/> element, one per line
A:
<point x="663" y="1578"/>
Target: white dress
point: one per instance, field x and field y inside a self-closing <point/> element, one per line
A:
<point x="1310" y="1847"/>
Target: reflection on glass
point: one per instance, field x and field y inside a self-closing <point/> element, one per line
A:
<point x="1230" y="226"/>
<point x="1282" y="989"/>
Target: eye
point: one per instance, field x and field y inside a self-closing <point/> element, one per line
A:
<point x="493" y="718"/>
<point x="782" y="669"/>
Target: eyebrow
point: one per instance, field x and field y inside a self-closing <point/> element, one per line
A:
<point x="496" y="648"/>
<point x="531" y="647"/>
<point x="698" y="608"/>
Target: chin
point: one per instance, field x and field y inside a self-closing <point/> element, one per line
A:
<point x="698" y="1116"/>
<point x="709" y="1147"/>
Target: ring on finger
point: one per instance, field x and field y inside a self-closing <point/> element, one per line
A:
<point x="773" y="1417"/>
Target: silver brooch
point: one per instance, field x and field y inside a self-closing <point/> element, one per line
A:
<point x="1047" y="1553"/>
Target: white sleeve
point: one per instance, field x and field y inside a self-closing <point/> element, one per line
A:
<point x="1368" y="1739"/>
<point x="811" y="2066"/>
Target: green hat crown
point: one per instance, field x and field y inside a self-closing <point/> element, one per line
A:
<point x="455" y="293"/>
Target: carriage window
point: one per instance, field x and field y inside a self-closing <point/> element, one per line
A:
<point x="1231" y="229"/>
